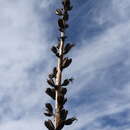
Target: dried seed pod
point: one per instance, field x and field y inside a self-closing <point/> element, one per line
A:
<point x="66" y="62"/>
<point x="70" y="121"/>
<point x="51" y="92"/>
<point x="59" y="12"/>
<point x="48" y="114"/>
<point x="51" y="82"/>
<point x="54" y="72"/>
<point x="49" y="125"/>
<point x="55" y="51"/>
<point x="66" y="4"/>
<point x="63" y="91"/>
<point x="49" y="107"/>
<point x="53" y="75"/>
<point x="66" y="82"/>
<point x="61" y="23"/>
<point x="66" y="16"/>
<point x="49" y="110"/>
<point x="64" y="114"/>
<point x="68" y="47"/>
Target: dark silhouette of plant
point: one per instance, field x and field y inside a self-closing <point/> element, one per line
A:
<point x="57" y="90"/>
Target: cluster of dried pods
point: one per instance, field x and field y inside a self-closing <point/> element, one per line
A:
<point x="58" y="90"/>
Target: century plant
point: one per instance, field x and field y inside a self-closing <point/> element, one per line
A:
<point x="57" y="90"/>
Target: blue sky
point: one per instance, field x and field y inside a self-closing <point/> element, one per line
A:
<point x="100" y="94"/>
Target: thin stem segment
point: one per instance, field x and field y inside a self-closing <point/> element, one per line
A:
<point x="58" y="82"/>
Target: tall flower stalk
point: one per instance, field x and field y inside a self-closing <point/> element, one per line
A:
<point x="57" y="90"/>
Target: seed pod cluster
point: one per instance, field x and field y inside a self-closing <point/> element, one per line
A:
<point x="57" y="90"/>
<point x="49" y="110"/>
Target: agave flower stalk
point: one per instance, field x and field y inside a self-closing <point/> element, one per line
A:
<point x="58" y="89"/>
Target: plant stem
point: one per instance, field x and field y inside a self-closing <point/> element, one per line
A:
<point x="58" y="82"/>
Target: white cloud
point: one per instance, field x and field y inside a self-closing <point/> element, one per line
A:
<point x="95" y="59"/>
<point x="22" y="125"/>
<point x="24" y="45"/>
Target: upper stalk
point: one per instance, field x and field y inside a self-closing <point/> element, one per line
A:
<point x="58" y="91"/>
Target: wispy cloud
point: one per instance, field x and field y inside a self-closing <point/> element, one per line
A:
<point x="102" y="70"/>
<point x="100" y="63"/>
<point x="23" y="46"/>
